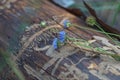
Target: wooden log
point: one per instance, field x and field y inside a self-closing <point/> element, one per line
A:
<point x="22" y="33"/>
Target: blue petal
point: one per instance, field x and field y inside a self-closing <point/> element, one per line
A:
<point x="62" y="35"/>
<point x="55" y="45"/>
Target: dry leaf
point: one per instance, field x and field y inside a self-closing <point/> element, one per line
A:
<point x="93" y="66"/>
<point x="106" y="42"/>
<point x="107" y="48"/>
<point x="91" y="41"/>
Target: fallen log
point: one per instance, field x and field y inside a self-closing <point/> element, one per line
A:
<point x="27" y="24"/>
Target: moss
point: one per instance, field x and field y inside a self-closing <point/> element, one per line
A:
<point x="91" y="21"/>
<point x="116" y="57"/>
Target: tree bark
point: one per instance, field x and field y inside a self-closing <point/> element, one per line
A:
<point x="21" y="32"/>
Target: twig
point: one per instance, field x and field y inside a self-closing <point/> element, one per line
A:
<point x="32" y="38"/>
<point x="56" y="66"/>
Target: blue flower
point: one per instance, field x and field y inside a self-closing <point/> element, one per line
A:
<point x="60" y="40"/>
<point x="55" y="43"/>
<point x="66" y="23"/>
<point x="62" y="35"/>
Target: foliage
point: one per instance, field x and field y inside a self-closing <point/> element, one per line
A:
<point x="11" y="64"/>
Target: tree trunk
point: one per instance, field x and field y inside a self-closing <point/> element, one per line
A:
<point x="23" y="34"/>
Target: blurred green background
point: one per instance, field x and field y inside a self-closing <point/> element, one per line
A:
<point x="107" y="10"/>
